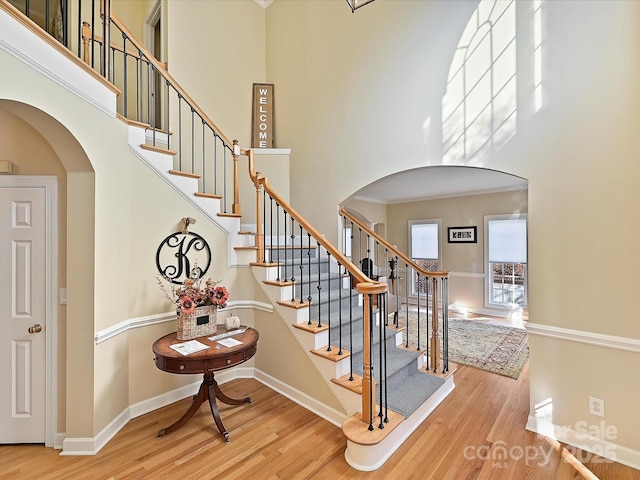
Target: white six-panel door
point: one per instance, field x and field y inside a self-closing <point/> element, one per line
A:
<point x="23" y="312"/>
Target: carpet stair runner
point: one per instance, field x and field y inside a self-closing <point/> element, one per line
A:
<point x="407" y="387"/>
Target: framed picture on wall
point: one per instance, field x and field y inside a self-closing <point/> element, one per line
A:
<point x="463" y="234"/>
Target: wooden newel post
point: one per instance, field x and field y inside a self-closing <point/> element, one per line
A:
<point x="368" y="382"/>
<point x="236" y="188"/>
<point x="259" y="221"/>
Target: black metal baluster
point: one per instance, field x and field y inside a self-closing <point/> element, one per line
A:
<point x="125" y="92"/>
<point x="445" y="324"/>
<point x="193" y="145"/>
<point x="286" y="256"/>
<point x="406" y="293"/>
<point x="179" y="131"/>
<point x="224" y="175"/>
<point x="271" y="223"/>
<point x="329" y="299"/>
<point x="427" y="324"/>
<point x="339" y="309"/>
<point x="204" y="158"/>
<point x="418" y="323"/>
<point x="383" y="377"/>
<point x="301" y="268"/>
<point x="309" y="274"/>
<point x="278" y="238"/>
<point x="168" y="100"/>
<point x="371" y="371"/>
<point x="350" y="327"/>
<point x="319" y="287"/>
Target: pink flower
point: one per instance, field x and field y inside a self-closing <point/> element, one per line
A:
<point x="220" y="297"/>
<point x="187" y="305"/>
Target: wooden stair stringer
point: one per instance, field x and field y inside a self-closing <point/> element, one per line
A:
<point x="161" y="163"/>
<point x="295" y="318"/>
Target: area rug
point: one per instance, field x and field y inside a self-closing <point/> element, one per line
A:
<point x="476" y="343"/>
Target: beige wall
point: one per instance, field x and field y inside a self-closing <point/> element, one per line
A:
<point x="354" y="106"/>
<point x="216" y="51"/>
<point x="31" y="154"/>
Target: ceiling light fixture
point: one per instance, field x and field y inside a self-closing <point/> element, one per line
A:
<point x="355" y="4"/>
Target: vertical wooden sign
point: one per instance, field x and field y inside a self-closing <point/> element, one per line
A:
<point x="262" y="122"/>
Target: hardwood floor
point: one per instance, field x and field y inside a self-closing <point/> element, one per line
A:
<point x="275" y="438"/>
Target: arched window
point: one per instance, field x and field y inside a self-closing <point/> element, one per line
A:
<point x="479" y="106"/>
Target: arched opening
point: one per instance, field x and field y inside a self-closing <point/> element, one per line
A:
<point x="451" y="199"/>
<point x="38" y="145"/>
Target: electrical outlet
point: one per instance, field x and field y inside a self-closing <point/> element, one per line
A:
<point x="63" y="296"/>
<point x="596" y="406"/>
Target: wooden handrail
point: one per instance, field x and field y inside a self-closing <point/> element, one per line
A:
<point x="258" y="179"/>
<point x="393" y="248"/>
<point x="160" y="68"/>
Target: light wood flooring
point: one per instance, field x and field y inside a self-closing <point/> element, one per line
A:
<point x="275" y="438"/>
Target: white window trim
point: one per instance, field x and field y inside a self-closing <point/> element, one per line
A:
<point x="488" y="275"/>
<point x="437" y="221"/>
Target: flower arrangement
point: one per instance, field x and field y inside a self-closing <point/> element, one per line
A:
<point x="192" y="294"/>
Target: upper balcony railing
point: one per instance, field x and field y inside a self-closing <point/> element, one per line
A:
<point x="149" y="95"/>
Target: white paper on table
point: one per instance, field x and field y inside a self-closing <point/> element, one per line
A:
<point x="186" y="348"/>
<point x="229" y="342"/>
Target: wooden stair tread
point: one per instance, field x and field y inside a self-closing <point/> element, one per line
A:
<point x="133" y="123"/>
<point x="246" y="232"/>
<point x="232" y="215"/>
<point x="332" y="355"/>
<point x="452" y="368"/>
<point x="357" y="431"/>
<point x="278" y="283"/>
<point x="354" y="385"/>
<point x="295" y="304"/>
<point x="208" y="195"/>
<point x="313" y="328"/>
<point x="158" y="149"/>
<point x="245" y="247"/>
<point x="184" y="174"/>
<point x="263" y="265"/>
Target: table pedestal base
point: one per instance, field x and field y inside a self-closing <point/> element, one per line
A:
<point x="209" y="390"/>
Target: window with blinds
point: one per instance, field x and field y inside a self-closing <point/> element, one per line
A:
<point x="424" y="245"/>
<point x="506" y="247"/>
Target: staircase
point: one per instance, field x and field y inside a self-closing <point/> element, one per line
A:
<point x="325" y="300"/>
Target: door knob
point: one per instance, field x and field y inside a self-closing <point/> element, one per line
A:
<point x="37" y="328"/>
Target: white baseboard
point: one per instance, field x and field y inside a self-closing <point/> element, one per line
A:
<point x="301" y="398"/>
<point x="91" y="446"/>
<point x="584" y="441"/>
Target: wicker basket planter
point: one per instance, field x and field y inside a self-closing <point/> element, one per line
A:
<point x="198" y="324"/>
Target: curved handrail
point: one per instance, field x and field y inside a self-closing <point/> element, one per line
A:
<point x="393" y="248"/>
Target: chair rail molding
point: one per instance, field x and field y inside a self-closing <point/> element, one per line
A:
<point x="589" y="338"/>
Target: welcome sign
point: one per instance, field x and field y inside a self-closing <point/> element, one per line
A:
<point x="262" y="124"/>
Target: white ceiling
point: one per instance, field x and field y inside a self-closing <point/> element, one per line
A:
<point x="429" y="183"/>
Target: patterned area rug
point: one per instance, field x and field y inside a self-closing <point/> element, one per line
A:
<point x="476" y="343"/>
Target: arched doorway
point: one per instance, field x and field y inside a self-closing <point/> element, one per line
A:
<point x="38" y="145"/>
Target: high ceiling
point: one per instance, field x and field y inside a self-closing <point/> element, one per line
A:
<point x="438" y="182"/>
